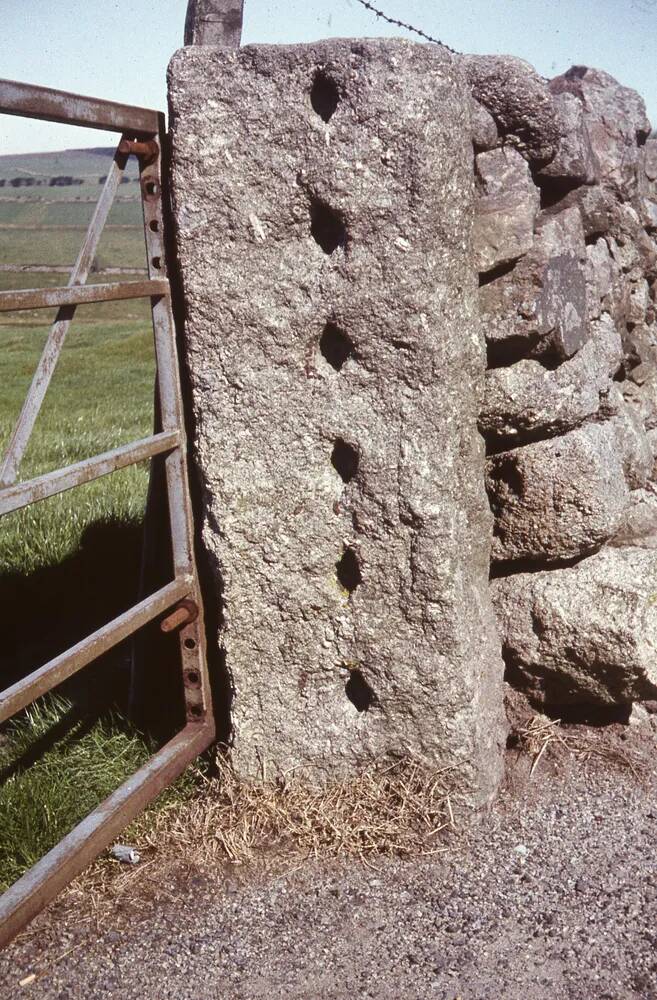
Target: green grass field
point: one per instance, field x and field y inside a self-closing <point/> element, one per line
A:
<point x="100" y="397"/>
<point x="24" y="208"/>
<point x="117" y="247"/>
<point x="75" y="213"/>
<point x="71" y="563"/>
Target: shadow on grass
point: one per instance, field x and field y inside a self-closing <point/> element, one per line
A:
<point x="46" y="612"/>
<point x="73" y="724"/>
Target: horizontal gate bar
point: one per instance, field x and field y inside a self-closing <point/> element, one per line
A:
<point x="78" y="295"/>
<point x="41" y="883"/>
<point x="40" y="681"/>
<point x="21" y="494"/>
<point x="60" y="106"/>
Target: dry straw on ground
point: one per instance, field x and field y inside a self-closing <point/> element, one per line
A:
<point x="402" y="808"/>
<point x="540" y="734"/>
<point x="395" y="808"/>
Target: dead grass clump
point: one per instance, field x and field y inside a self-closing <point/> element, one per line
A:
<point x="540" y="734"/>
<point x="399" y="808"/>
<point x="268" y="827"/>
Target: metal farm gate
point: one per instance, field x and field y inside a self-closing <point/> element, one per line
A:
<point x="142" y="134"/>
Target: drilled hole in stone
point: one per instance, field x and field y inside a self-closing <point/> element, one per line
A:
<point x="335" y="346"/>
<point x="344" y="459"/>
<point x="358" y="691"/>
<point x="327" y="227"/>
<point x="324" y="96"/>
<point x="348" y="570"/>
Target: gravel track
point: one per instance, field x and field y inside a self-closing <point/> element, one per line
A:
<point x="553" y="896"/>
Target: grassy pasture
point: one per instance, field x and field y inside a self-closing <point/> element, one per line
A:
<point x="75" y="767"/>
<point x="117" y="247"/>
<point x="71" y="563"/>
<point x="65" y="213"/>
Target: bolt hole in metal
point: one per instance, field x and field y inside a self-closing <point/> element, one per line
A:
<point x="151" y="188"/>
<point x="196" y="711"/>
<point x="154" y="226"/>
<point x="193" y="677"/>
<point x="189" y="643"/>
<point x="157" y="262"/>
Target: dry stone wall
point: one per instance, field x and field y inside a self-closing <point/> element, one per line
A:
<point x="566" y="221"/>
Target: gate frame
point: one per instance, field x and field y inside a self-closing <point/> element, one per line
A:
<point x="143" y="135"/>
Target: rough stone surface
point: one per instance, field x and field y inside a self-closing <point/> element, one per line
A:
<point x="630" y="244"/>
<point x="585" y="633"/>
<point x="602" y="279"/>
<point x="519" y="101"/>
<point x="597" y="207"/>
<point x="640" y="392"/>
<point x="639" y="524"/>
<point x="574" y="161"/>
<point x="484" y="129"/>
<point x="570" y="409"/>
<point x="336" y="370"/>
<point x="527" y="398"/>
<point x="541" y="307"/>
<point x="647" y="211"/>
<point x="616" y="122"/>
<point x="633" y="445"/>
<point x="562" y="306"/>
<point x="639" y="301"/>
<point x="506" y="209"/>
<point x="640" y="344"/>
<point x="562" y="233"/>
<point x="649" y="161"/>
<point x="646" y="202"/>
<point x="561" y="498"/>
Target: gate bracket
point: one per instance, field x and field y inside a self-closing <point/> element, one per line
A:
<point x="148" y="150"/>
<point x="183" y="614"/>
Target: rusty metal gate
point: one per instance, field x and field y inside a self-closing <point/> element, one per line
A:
<point x="142" y="134"/>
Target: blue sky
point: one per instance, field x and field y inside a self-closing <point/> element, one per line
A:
<point x="119" y="49"/>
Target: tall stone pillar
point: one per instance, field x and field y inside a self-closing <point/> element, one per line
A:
<point x="324" y="197"/>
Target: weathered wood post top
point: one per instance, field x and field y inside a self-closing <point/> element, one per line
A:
<point x="214" y="22"/>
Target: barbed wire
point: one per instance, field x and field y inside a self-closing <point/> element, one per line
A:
<point x="402" y="24"/>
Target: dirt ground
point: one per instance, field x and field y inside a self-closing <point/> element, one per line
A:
<point x="552" y="897"/>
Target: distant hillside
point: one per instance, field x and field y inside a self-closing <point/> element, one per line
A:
<point x="46" y="203"/>
<point x="83" y="165"/>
